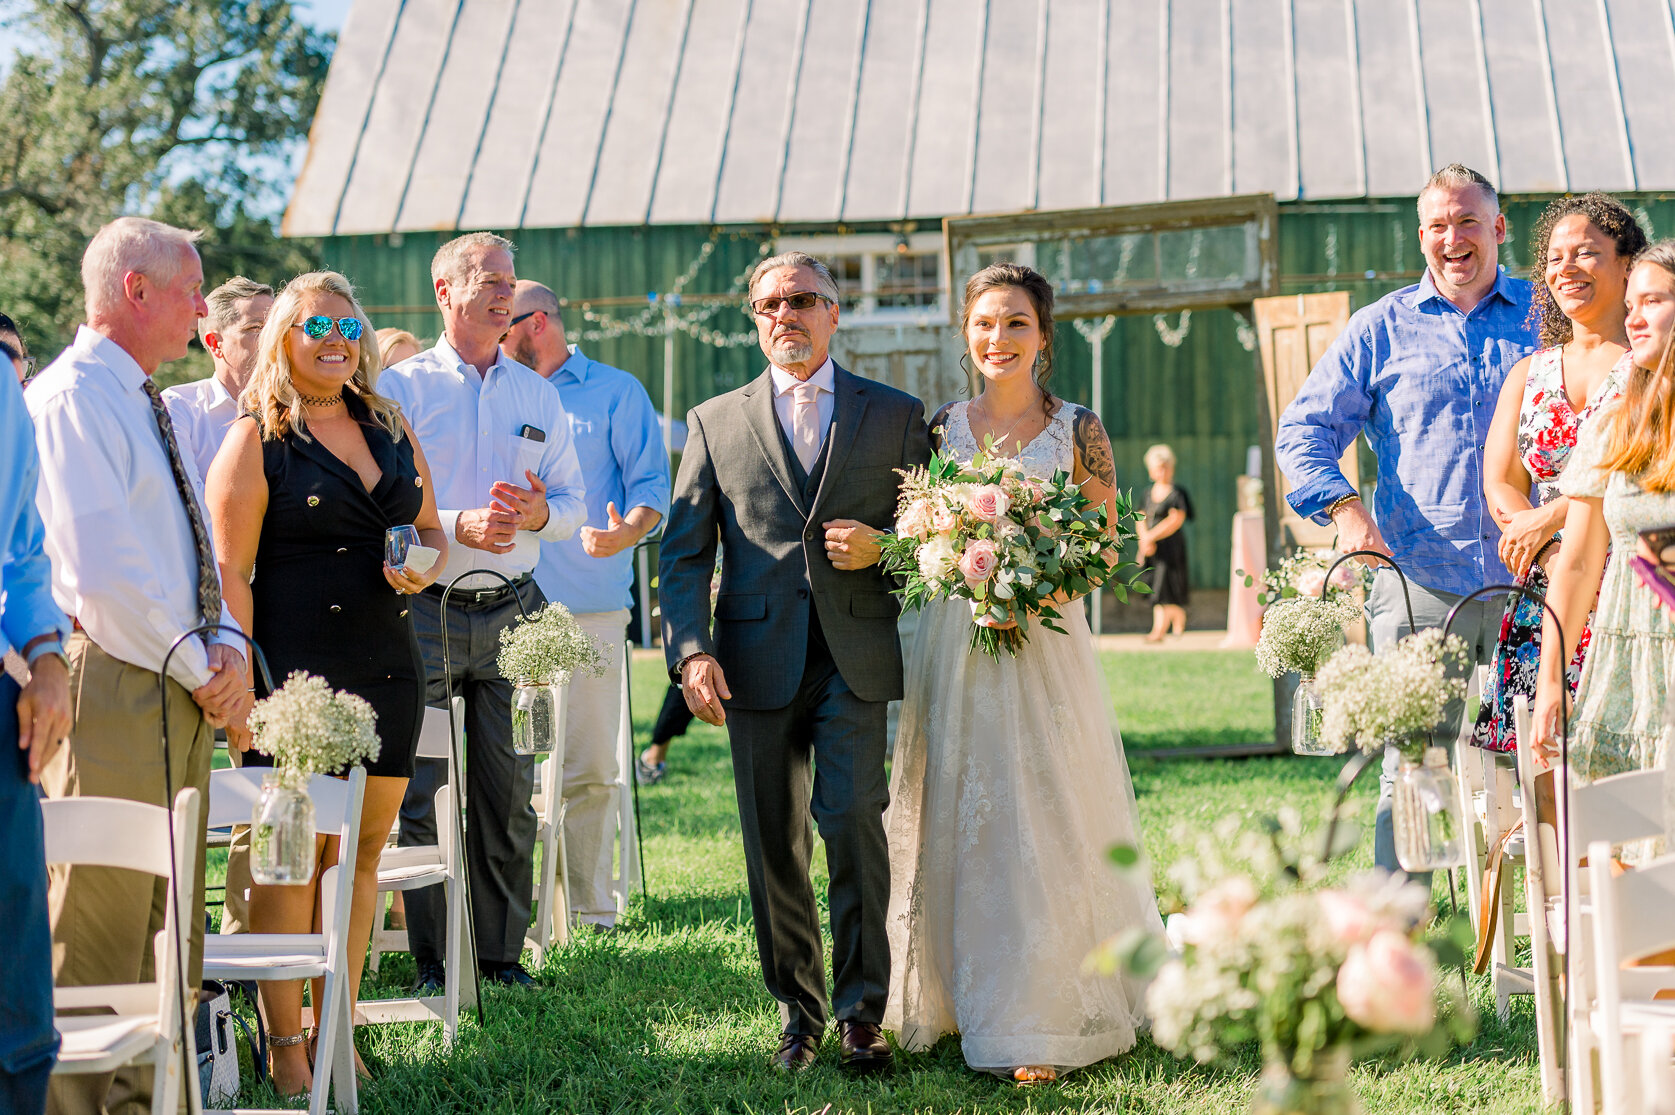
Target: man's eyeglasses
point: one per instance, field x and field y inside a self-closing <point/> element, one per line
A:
<point x="801" y="300"/>
<point x="349" y="328"/>
<point x="526" y="313"/>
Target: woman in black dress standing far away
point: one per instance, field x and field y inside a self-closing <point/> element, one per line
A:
<point x="307" y="482"/>
<point x="1163" y="544"/>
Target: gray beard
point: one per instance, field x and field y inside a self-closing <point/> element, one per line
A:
<point x="791" y="352"/>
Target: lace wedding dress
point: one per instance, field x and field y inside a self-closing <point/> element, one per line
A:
<point x="1009" y="787"/>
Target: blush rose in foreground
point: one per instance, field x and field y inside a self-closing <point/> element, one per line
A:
<point x="978" y="562"/>
<point x="1387" y="986"/>
<point x="989" y="503"/>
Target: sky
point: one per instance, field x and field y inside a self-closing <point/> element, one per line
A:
<point x="326" y="15"/>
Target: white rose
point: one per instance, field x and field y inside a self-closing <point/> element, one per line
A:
<point x="937" y="559"/>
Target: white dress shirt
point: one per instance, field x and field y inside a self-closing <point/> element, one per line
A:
<point x="825" y="398"/>
<point x="468" y="427"/>
<point x="123" y="560"/>
<point x="202" y="413"/>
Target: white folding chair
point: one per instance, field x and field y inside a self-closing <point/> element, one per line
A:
<point x="289" y="956"/>
<point x="552" y="888"/>
<point x="146" y="1026"/>
<point x="1633" y="918"/>
<point x="1621" y="809"/>
<point x="439" y="864"/>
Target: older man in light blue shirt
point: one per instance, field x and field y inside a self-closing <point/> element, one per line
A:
<point x="1419" y="372"/>
<point x="626" y="470"/>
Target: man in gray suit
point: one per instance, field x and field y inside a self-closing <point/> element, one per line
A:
<point x="786" y="473"/>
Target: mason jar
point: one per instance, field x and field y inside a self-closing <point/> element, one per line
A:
<point x="1425" y="811"/>
<point x="534" y="717"/>
<point x="282" y="835"/>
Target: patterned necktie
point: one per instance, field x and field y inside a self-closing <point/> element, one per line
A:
<point x="209" y="579"/>
<point x="805" y="423"/>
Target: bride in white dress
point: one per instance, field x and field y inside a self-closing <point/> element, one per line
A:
<point x="1009" y="782"/>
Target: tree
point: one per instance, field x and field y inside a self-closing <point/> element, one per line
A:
<point x="177" y="109"/>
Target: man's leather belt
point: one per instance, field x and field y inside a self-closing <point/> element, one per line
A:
<point x="480" y="597"/>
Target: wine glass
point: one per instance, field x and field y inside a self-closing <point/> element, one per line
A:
<point x="397" y="540"/>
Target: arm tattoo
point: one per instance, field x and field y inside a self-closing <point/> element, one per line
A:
<point x="1095" y="449"/>
<point x="939" y="424"/>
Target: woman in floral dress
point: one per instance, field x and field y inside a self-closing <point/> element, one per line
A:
<point x="1582" y="250"/>
<point x="1621" y="481"/>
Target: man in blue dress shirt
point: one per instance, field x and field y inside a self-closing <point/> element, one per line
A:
<point x="619" y="443"/>
<point x="1418" y="372"/>
<point x="506" y="480"/>
<point x="33" y="722"/>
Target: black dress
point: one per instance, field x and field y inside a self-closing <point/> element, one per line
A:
<point x="321" y="601"/>
<point x="1167" y="564"/>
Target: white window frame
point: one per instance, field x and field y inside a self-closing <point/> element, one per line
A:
<point x="869" y="246"/>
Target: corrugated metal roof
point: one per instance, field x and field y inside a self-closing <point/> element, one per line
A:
<point x="443" y="114"/>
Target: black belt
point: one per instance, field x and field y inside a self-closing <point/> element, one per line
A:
<point x="480" y="597"/>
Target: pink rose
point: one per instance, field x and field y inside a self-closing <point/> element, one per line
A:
<point x="1217" y="913"/>
<point x="989" y="503"/>
<point x="1387" y="986"/>
<point x="943" y="519"/>
<point x="1349" y="919"/>
<point x="979" y="561"/>
<point x="915" y="521"/>
<point x="1310" y="582"/>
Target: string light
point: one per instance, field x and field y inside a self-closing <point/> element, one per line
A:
<point x="662" y="315"/>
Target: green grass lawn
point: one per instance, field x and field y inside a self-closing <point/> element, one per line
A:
<point x="670" y="1016"/>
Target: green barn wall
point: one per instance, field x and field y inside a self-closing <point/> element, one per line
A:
<point x="1199" y="397"/>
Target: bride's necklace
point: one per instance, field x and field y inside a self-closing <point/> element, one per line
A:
<point x="1001" y="440"/>
<point x="322" y="401"/>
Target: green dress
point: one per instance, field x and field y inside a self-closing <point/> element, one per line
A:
<point x="1619" y="724"/>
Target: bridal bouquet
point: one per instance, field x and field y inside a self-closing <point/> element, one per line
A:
<point x="1315" y="975"/>
<point x="1011" y="545"/>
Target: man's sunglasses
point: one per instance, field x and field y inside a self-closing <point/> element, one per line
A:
<point x="319" y="325"/>
<point x="527" y="313"/>
<point x="801" y="300"/>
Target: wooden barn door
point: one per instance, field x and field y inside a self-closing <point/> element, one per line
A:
<point x="1293" y="332"/>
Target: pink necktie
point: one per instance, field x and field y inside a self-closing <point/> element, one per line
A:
<point x="805" y="424"/>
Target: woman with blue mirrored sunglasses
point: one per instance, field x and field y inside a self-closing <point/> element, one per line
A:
<point x="349" y="328"/>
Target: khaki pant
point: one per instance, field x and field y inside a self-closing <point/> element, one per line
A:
<point x="592" y="720"/>
<point x="235" y="910"/>
<point x="104" y="919"/>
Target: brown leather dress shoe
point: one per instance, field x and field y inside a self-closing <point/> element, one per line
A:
<point x="862" y="1047"/>
<point x="796" y="1052"/>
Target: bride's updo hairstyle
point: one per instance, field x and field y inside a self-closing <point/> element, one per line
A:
<point x="1040" y="294"/>
<point x="1642" y="443"/>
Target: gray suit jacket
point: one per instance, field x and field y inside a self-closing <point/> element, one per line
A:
<point x="737" y="487"/>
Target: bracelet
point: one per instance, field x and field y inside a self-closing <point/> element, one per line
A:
<point x="1341" y="502"/>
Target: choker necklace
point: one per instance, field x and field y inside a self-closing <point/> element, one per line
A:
<point x="320" y="400"/>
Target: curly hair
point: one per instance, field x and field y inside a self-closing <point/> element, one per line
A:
<point x="1605" y="213"/>
<point x="1040" y="293"/>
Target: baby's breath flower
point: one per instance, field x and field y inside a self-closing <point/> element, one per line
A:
<point x="308" y="728"/>
<point x="549" y="646"/>
<point x="1302" y="632"/>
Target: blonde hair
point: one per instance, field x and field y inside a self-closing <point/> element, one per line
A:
<point x="272" y="397"/>
<point x="389" y="337"/>
<point x="131" y="245"/>
<point x="1160" y="454"/>
<point x="1643" y="426"/>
